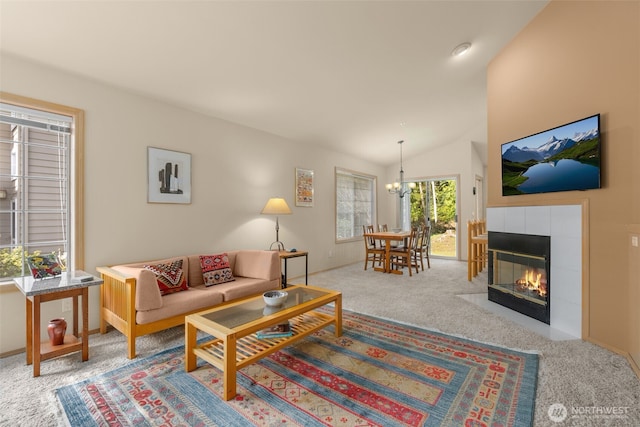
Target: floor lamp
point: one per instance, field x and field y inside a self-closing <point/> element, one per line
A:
<point x="276" y="206"/>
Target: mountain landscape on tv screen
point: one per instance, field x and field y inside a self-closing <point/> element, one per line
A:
<point x="564" y="164"/>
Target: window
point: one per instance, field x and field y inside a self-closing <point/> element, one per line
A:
<point x="355" y="203"/>
<point x="41" y="179"/>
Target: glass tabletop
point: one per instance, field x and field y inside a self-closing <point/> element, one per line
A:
<point x="255" y="308"/>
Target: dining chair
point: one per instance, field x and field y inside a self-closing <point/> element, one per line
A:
<point x="384" y="228"/>
<point x="421" y="250"/>
<point x="482" y="241"/>
<point x="476" y="248"/>
<point x="402" y="256"/>
<point x="426" y="245"/>
<point x="415" y="246"/>
<point x="374" y="252"/>
<point x="374" y="242"/>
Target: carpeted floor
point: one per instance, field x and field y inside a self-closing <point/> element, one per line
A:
<point x="596" y="384"/>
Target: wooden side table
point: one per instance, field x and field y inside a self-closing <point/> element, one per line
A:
<point x="286" y="255"/>
<point x="42" y="290"/>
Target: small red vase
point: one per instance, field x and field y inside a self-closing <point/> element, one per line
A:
<point x="56" y="329"/>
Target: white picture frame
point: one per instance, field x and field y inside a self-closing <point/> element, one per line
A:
<point x="169" y="176"/>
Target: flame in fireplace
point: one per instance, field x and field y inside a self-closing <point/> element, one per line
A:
<point x="531" y="280"/>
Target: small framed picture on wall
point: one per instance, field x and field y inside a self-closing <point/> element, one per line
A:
<point x="169" y="176"/>
<point x="304" y="187"/>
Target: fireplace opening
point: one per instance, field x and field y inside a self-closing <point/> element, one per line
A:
<point x="519" y="273"/>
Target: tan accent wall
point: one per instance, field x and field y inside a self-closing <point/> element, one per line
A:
<point x="573" y="60"/>
<point x="634" y="296"/>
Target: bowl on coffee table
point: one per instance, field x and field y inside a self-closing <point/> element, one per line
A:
<point x="275" y="298"/>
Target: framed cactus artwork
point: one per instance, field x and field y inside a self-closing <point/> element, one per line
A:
<point x="169" y="175"/>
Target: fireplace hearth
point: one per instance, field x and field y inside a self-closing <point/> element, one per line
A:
<point x="519" y="267"/>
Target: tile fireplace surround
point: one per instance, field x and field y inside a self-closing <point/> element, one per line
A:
<point x="564" y="224"/>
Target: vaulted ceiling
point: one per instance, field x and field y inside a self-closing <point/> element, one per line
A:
<point x="353" y="76"/>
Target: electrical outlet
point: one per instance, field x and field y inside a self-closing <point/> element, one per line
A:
<point x="67" y="304"/>
<point x="330" y="253"/>
<point x="634" y="241"/>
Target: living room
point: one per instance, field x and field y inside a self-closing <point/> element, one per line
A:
<point x="227" y="195"/>
<point x="533" y="83"/>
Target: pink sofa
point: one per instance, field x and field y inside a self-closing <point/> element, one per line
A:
<point x="131" y="302"/>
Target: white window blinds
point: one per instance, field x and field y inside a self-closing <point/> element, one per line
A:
<point x="355" y="203"/>
<point x="35" y="207"/>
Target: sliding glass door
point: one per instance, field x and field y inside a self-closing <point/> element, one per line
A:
<point x="434" y="202"/>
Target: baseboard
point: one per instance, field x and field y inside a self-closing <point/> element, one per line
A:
<point x="23" y="349"/>
<point x="634" y="366"/>
<point x="12" y="353"/>
<point x="333" y="268"/>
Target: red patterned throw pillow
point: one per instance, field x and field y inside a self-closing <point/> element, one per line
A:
<point x="216" y="269"/>
<point x="170" y="277"/>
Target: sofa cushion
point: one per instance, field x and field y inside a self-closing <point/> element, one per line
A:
<point x="169" y="276"/>
<point x="178" y="303"/>
<point x="246" y="286"/>
<point x="216" y="269"/>
<point x="256" y="264"/>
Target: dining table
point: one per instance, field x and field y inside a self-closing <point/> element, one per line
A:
<point x="388" y="237"/>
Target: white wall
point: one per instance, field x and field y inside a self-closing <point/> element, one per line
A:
<point x="235" y="170"/>
<point x="459" y="159"/>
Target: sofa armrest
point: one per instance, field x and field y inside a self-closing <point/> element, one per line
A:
<point x="147" y="296"/>
<point x="117" y="295"/>
<point x="115" y="274"/>
<point x="257" y="264"/>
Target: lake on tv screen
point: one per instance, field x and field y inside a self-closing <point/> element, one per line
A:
<point x="562" y="175"/>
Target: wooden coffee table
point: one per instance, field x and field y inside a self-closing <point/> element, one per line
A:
<point x="234" y="326"/>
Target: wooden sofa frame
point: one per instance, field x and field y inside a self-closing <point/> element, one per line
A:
<point x="118" y="308"/>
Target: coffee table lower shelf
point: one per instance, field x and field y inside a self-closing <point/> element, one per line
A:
<point x="230" y="352"/>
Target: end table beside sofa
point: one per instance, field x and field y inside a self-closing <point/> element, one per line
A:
<point x="286" y="256"/>
<point x="37" y="291"/>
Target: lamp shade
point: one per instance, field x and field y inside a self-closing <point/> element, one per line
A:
<point x="276" y="206"/>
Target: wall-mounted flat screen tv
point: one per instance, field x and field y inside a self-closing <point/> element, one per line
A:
<point x="564" y="158"/>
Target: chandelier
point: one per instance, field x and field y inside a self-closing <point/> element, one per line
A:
<point x="400" y="187"/>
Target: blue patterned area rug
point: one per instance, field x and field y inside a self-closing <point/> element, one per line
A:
<point x="379" y="373"/>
